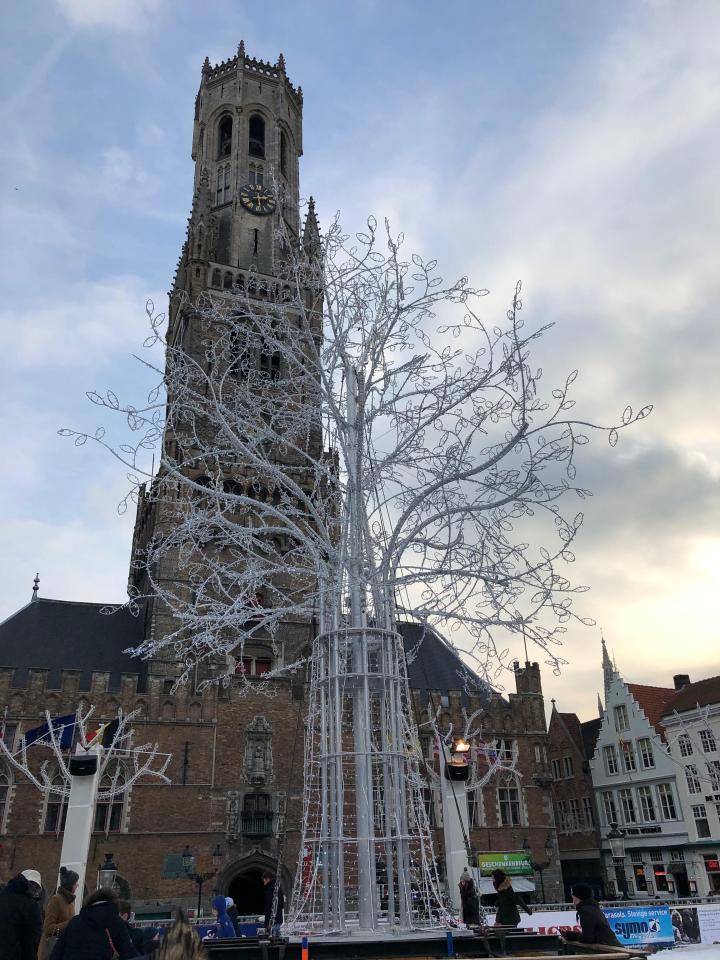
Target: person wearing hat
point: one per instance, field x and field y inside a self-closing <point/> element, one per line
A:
<point x="60" y="911"/>
<point x="594" y="925"/>
<point x="20" y="917"/>
<point x="469" y="900"/>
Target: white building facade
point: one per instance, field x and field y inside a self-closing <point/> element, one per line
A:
<point x="691" y="722"/>
<point x="636" y="790"/>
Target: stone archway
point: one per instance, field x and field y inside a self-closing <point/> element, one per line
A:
<point x="242" y="881"/>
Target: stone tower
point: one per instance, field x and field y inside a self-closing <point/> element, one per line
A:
<point x="246" y="145"/>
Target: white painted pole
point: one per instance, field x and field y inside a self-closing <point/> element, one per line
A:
<point x="80" y="819"/>
<point x="453" y="796"/>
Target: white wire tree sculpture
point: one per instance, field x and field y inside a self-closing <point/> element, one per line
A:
<point x="122" y="763"/>
<point x="349" y="443"/>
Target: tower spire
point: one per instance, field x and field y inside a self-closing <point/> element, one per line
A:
<point x="36" y="586"/>
<point x="609" y="669"/>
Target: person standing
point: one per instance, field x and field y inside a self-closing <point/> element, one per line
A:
<point x="20" y="917"/>
<point x="224" y="928"/>
<point x="96" y="933"/>
<point x="509" y="903"/>
<point x="469" y="901"/>
<point x="269" y="883"/>
<point x="60" y="911"/>
<point x="594" y="924"/>
<point x="232" y="912"/>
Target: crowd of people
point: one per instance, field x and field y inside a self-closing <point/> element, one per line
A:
<point x="102" y="929"/>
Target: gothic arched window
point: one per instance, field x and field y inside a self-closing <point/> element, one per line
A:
<point x="257" y="174"/>
<point x="5" y="784"/>
<point x="225" y="128"/>
<point x="56" y="808"/>
<point x="509" y="799"/>
<point x="256" y="147"/>
<point x="216" y="278"/>
<point x="283" y="154"/>
<point x="109" y="810"/>
<point x="222" y="187"/>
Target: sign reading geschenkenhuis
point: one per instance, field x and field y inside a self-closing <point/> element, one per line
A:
<point x="516" y="863"/>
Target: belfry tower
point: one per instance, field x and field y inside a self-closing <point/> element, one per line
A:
<point x="246" y="145"/>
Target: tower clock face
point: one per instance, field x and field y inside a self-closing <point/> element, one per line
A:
<point x="257" y="199"/>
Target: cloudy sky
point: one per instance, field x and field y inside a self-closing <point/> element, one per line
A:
<point x="575" y="146"/>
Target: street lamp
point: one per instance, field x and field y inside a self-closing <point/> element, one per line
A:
<point x="107" y="872"/>
<point x="540" y="867"/>
<point x="616" y="839"/>
<point x="188" y="863"/>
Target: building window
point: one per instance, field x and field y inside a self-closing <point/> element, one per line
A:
<point x="509" y="805"/>
<point x="693" y="780"/>
<point x="636" y="856"/>
<point x="568" y="767"/>
<point x="216" y="279"/>
<point x="685" y="745"/>
<point x="429" y="804"/>
<point x="475" y="809"/>
<point x="504" y="749"/>
<point x="257" y="174"/>
<point x="575" y="814"/>
<point x="256" y="147"/>
<point x="253" y="666"/>
<point x="647" y="757"/>
<point x="611" y="764"/>
<point x="56" y="808"/>
<point x="621" y="717"/>
<point x="707" y="739"/>
<point x="109" y="811"/>
<point x="714" y="772"/>
<point x="667" y="801"/>
<point x="627" y="805"/>
<point x="283" y="154"/>
<point x="647" y="805"/>
<point x="257" y="815"/>
<point x="556" y="769"/>
<point x="562" y="816"/>
<point x="660" y="874"/>
<point x="609" y="808"/>
<point x="588" y="812"/>
<point x="677" y="856"/>
<point x="8" y="734"/>
<point x="701" y="821"/>
<point x="5" y="783"/>
<point x="270" y="365"/>
<point x="628" y="755"/>
<point x="225" y="138"/>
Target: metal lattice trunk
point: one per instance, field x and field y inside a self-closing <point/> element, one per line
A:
<point x="367" y="853"/>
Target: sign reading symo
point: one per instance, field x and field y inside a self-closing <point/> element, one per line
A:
<point x="516" y="863"/>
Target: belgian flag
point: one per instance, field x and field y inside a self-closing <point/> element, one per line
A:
<point x="105" y="734"/>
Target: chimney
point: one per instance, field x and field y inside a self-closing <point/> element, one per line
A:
<point x="681" y="680"/>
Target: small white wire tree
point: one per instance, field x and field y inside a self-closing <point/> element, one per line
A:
<point x="348" y="442"/>
<point x="122" y="763"/>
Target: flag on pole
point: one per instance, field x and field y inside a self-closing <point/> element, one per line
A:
<point x="105" y="734"/>
<point x="62" y="727"/>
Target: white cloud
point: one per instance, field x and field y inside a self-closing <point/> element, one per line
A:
<point x="84" y="325"/>
<point x="114" y="14"/>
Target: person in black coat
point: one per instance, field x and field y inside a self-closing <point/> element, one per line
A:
<point x="269" y="883"/>
<point x="96" y="933"/>
<point x="469" y="900"/>
<point x="593" y="922"/>
<point x="508" y="903"/>
<point x="20" y="917"/>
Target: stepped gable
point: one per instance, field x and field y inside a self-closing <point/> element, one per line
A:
<point x="59" y="635"/>
<point x="432" y="664"/>
<point x="699" y="694"/>
<point x="652" y="701"/>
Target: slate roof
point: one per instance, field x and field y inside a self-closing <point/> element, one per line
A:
<point x="58" y="635"/>
<point x="432" y="664"/>
<point x="653" y="701"/>
<point x="589" y="731"/>
<point x="699" y="694"/>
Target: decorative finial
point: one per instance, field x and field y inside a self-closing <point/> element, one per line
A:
<point x="36" y="586"/>
<point x="311" y="206"/>
<point x="206" y="65"/>
<point x="241" y="51"/>
<point x="281" y="63"/>
<point x="300" y="94"/>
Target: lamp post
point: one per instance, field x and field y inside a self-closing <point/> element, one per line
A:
<point x="540" y="867"/>
<point x="188" y="863"/>
<point x="107" y="872"/>
<point x="616" y="839"/>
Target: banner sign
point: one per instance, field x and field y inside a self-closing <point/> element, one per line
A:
<point x="516" y="863"/>
<point x="636" y="926"/>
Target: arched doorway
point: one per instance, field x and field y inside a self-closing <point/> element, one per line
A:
<point x="248" y="892"/>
